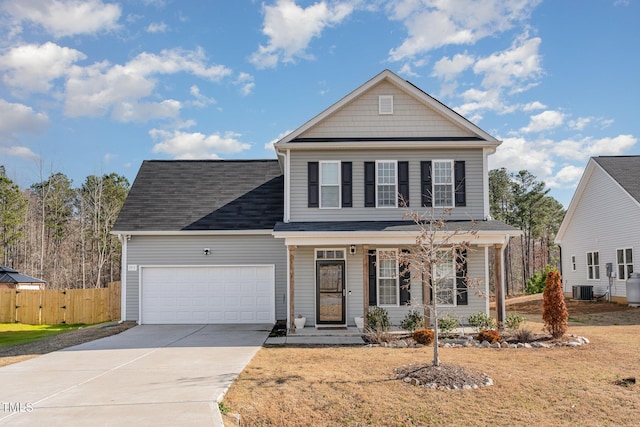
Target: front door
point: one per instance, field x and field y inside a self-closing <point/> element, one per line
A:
<point x="330" y="292"/>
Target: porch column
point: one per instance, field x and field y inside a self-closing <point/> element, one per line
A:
<point x="292" y="325"/>
<point x="365" y="280"/>
<point x="497" y="268"/>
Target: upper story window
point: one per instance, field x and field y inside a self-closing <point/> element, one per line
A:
<point x="330" y="184"/>
<point x="573" y="263"/>
<point x="385" y="104"/>
<point x="443" y="184"/>
<point x="593" y="265"/>
<point x="386" y="184"/>
<point x="625" y="263"/>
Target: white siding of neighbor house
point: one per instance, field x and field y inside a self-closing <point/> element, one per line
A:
<point x="410" y="118"/>
<point x="188" y="250"/>
<point x="473" y="158"/>
<point x="606" y="218"/>
<point x="305" y="287"/>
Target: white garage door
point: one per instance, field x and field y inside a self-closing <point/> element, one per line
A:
<point x="213" y="294"/>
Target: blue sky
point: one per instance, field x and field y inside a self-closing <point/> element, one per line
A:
<point x="98" y="86"/>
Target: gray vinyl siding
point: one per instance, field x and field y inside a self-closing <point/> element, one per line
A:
<point x="410" y="118"/>
<point x="187" y="250"/>
<point x="305" y="287"/>
<point x="473" y="158"/>
<point x="606" y="219"/>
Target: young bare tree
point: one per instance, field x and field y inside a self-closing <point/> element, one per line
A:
<point x="437" y="260"/>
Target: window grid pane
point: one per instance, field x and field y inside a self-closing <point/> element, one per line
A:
<point x="387" y="278"/>
<point x="330" y="196"/>
<point x="442" y="184"/>
<point x="444" y="277"/>
<point x="386" y="184"/>
<point x="329" y="173"/>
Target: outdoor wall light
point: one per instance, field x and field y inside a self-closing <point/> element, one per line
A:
<point x="206" y="251"/>
<point x="352" y="249"/>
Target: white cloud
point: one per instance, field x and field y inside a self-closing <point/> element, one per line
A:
<point x="580" y="123"/>
<point x="17" y="151"/>
<point x="157" y="27"/>
<point x="142" y="112"/>
<point x="533" y="106"/>
<point x="518" y="153"/>
<point x="65" y="17"/>
<point x="567" y="176"/>
<point x="546" y="120"/>
<point x="476" y="100"/>
<point x="97" y="89"/>
<point x="184" y="145"/>
<point x="290" y="28"/>
<point x="520" y="63"/>
<point x="447" y="69"/>
<point x="246" y="83"/>
<point x="32" y="68"/>
<point x="16" y="119"/>
<point x="201" y="100"/>
<point x="269" y="145"/>
<point x="432" y="24"/>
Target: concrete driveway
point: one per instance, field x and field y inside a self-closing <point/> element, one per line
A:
<point x="161" y="375"/>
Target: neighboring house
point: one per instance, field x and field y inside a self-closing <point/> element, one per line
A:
<point x="313" y="234"/>
<point x="602" y="227"/>
<point x="11" y="279"/>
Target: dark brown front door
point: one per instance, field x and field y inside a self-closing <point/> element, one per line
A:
<point x="330" y="292"/>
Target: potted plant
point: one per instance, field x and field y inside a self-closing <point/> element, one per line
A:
<point x="300" y="321"/>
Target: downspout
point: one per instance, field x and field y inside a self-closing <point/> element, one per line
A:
<point x="123" y="277"/>
<point x="485" y="183"/>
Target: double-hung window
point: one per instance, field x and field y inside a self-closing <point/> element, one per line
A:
<point x="386" y="184"/>
<point x="444" y="279"/>
<point x="388" y="277"/>
<point x="330" y="184"/>
<point x="443" y="180"/>
<point x="625" y="263"/>
<point x="593" y="265"/>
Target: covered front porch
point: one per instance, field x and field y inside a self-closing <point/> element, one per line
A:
<point x="333" y="275"/>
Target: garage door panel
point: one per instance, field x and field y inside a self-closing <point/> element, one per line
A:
<point x="212" y="294"/>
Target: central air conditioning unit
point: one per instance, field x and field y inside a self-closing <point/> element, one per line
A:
<point x="583" y="293"/>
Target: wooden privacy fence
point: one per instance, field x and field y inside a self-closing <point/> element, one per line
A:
<point x="53" y="306"/>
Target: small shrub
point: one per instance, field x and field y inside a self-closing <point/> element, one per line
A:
<point x="412" y="321"/>
<point x="447" y="324"/>
<point x="490" y="335"/>
<point x="514" y="321"/>
<point x="554" y="309"/>
<point x="224" y="409"/>
<point x="482" y="320"/>
<point x="538" y="281"/>
<point x="378" y="319"/>
<point x="376" y="336"/>
<point x="523" y="335"/>
<point x="423" y="336"/>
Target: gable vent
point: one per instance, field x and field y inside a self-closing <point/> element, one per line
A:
<point x="385" y="104"/>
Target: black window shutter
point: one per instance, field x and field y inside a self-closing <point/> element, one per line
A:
<point x="373" y="279"/>
<point x="369" y="184"/>
<point x="346" y="185"/>
<point x="460" y="182"/>
<point x="461" y="278"/>
<point x="425" y="183"/>
<point x="313" y="185"/>
<point x="405" y="282"/>
<point x="403" y="183"/>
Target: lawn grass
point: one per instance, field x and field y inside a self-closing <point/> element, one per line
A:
<point x="355" y="386"/>
<point x="12" y="334"/>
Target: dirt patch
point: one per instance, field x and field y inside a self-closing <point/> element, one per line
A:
<point x="18" y="353"/>
<point x="449" y="377"/>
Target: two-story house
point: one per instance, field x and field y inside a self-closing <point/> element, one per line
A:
<point x="317" y="232"/>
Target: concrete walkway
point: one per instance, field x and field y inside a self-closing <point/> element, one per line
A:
<point x="161" y="375"/>
<point x="313" y="336"/>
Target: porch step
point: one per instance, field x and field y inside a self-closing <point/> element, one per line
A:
<point x="327" y="332"/>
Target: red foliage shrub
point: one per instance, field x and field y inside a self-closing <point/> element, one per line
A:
<point x="490" y="335"/>
<point x="554" y="309"/>
<point x="423" y="336"/>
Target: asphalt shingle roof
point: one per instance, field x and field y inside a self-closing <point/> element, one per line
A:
<point x="175" y="195"/>
<point x="625" y="170"/>
<point x="9" y="275"/>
